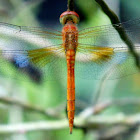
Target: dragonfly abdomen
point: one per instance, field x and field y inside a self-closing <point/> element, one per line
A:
<point x="70" y="56"/>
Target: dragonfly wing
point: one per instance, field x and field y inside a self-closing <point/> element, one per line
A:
<point x="108" y="36"/>
<point x="94" y="62"/>
<point x="37" y="36"/>
<point x="100" y="59"/>
<point x="46" y="63"/>
<point x="32" y="50"/>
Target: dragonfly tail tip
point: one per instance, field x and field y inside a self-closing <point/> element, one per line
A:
<point x="70" y="130"/>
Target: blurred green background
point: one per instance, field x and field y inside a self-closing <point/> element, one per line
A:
<point x="52" y="94"/>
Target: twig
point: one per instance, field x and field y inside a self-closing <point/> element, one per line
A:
<point x="70" y="5"/>
<point x="102" y="84"/>
<point x="98" y="108"/>
<point x="81" y="121"/>
<point x="49" y="112"/>
<point x="91" y="110"/>
<point x="118" y="102"/>
<point x="33" y="126"/>
<point x="118" y="132"/>
<point x="114" y="20"/>
<point x="95" y="122"/>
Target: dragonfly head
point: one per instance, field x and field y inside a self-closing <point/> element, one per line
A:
<point x="69" y="16"/>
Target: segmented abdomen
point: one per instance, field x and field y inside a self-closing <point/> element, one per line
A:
<point x="70" y="55"/>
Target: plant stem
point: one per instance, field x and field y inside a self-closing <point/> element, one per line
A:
<point x="115" y="20"/>
<point x="70" y="5"/>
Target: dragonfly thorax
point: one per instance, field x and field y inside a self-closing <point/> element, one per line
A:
<point x="69" y="16"/>
<point x="70" y="36"/>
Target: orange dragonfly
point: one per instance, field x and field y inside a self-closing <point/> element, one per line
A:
<point x="89" y="53"/>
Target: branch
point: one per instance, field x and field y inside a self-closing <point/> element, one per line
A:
<point x="49" y="112"/>
<point x="118" y="132"/>
<point x="114" y="20"/>
<point x="118" y="102"/>
<point x="91" y="123"/>
<point x="88" y="122"/>
<point x="98" y="108"/>
<point x="33" y="126"/>
<point x="70" y="5"/>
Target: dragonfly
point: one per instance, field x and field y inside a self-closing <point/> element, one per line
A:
<point x="89" y="53"/>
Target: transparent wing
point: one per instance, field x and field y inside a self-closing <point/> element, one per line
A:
<point x="35" y="51"/>
<point x="101" y="49"/>
<point x="38" y="36"/>
<point x="39" y="64"/>
<point x="93" y="62"/>
<point x="108" y="36"/>
<point x="20" y="46"/>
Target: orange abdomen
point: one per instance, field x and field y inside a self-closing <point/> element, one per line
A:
<point x="70" y="55"/>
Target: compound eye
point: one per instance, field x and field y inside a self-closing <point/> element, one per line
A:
<point x="69" y="15"/>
